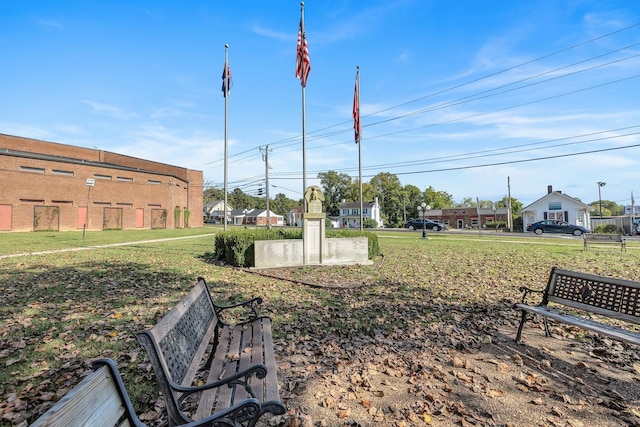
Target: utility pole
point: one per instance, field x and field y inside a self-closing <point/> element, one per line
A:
<point x="509" y="214"/>
<point x="265" y="157"/>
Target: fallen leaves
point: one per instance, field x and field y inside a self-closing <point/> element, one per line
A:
<point x="415" y="343"/>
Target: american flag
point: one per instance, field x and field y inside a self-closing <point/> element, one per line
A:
<point x="356" y="111"/>
<point x="226" y="74"/>
<point x="303" y="64"/>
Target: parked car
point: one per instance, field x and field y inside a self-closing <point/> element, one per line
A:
<point x="555" y="226"/>
<point x="416" y="224"/>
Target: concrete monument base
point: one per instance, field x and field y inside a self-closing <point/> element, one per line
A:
<point x="314" y="248"/>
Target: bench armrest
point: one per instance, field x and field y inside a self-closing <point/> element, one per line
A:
<point x="240" y="378"/>
<point x="251" y="305"/>
<point x="526" y="291"/>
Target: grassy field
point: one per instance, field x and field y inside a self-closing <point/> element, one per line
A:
<point x="58" y="310"/>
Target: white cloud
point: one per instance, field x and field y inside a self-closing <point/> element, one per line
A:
<point x="109" y="110"/>
<point x="50" y="24"/>
<point x="267" y="32"/>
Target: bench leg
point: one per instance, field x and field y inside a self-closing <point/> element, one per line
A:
<point x="547" y="331"/>
<point x="522" y="320"/>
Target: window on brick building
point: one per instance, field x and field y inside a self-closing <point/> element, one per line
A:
<point x="61" y="172"/>
<point x="100" y="176"/>
<point x="31" y="169"/>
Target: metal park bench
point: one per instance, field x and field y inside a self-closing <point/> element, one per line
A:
<point x="590" y="294"/>
<point x="604" y="239"/>
<point x="205" y="366"/>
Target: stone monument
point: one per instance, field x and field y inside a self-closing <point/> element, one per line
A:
<point x="313" y="248"/>
<point x="313" y="230"/>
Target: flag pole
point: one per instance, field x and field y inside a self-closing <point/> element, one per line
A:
<point x="303" y="67"/>
<point x="304" y="152"/>
<point x="304" y="118"/>
<point x="226" y="130"/>
<point x="359" y="142"/>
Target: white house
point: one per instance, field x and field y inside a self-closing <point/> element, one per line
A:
<point x="555" y="205"/>
<point x="350" y="213"/>
<point x="215" y="210"/>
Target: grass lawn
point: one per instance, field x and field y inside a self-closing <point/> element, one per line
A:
<point x="57" y="310"/>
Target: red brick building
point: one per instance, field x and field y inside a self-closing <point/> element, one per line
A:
<point x="51" y="186"/>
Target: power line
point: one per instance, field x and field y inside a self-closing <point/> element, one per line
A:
<point x="295" y="139"/>
<point x="517" y="161"/>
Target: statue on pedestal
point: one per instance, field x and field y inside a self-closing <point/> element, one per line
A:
<point x="314" y="198"/>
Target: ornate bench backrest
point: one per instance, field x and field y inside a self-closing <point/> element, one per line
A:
<point x="604" y="237"/>
<point x="617" y="298"/>
<point x="180" y="334"/>
<point x="183" y="339"/>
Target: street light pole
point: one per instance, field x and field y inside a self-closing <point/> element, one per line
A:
<point x="423" y="208"/>
<point x="494" y="208"/>
<point x="600" y="185"/>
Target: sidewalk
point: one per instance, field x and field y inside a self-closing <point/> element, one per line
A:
<point x="111" y="245"/>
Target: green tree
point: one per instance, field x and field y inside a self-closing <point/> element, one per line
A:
<point x="240" y="200"/>
<point x="516" y="205"/>
<point x="281" y="205"/>
<point x="437" y="199"/>
<point x="212" y="194"/>
<point x="388" y="189"/>
<point x="473" y="202"/>
<point x="353" y="194"/>
<point x="336" y="187"/>
<point x="609" y="208"/>
<point x="411" y="197"/>
<point x="466" y="202"/>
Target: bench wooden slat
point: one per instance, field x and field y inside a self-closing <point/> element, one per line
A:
<point x="272" y="389"/>
<point x="257" y="356"/>
<point x="245" y="362"/>
<point x="223" y="366"/>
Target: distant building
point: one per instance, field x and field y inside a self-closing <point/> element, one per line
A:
<point x="294" y="217"/>
<point x="350" y="213"/>
<point x="468" y="216"/>
<point x="214" y="211"/>
<point x="558" y="206"/>
<point x="256" y="217"/>
<point x="51" y="186"/>
<point x="260" y="218"/>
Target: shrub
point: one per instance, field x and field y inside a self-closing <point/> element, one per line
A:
<point x="607" y="229"/>
<point x="370" y="223"/>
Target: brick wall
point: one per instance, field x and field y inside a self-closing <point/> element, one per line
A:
<point x="120" y="192"/>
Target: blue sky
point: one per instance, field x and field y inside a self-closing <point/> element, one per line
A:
<point x="454" y="95"/>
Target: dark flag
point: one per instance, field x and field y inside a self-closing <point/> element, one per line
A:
<point x="356" y="111"/>
<point x="226" y="77"/>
